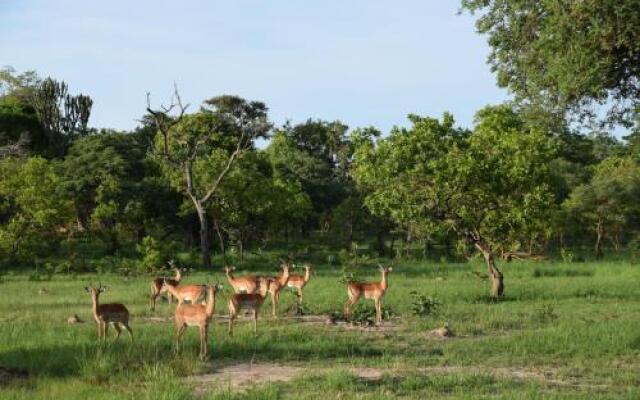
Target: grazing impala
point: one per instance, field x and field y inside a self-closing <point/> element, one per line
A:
<point x="197" y="315"/>
<point x="375" y="291"/>
<point x="248" y="301"/>
<point x="157" y="286"/>
<point x="277" y="284"/>
<point x="298" y="282"/>
<point x="242" y="284"/>
<point x="111" y="313"/>
<point x="191" y="293"/>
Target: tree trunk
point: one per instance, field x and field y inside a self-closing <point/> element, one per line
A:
<point x="497" y="284"/>
<point x="204" y="236"/>
<point x="599" y="236"/>
<point x="220" y="239"/>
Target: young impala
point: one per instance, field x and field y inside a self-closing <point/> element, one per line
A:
<point x="248" y="301"/>
<point x="196" y="315"/>
<point x="277" y="284"/>
<point x="111" y="313"/>
<point x="157" y="286"/>
<point x="298" y="282"/>
<point x="375" y="291"/>
<point x="191" y="293"/>
<point x="242" y="284"/>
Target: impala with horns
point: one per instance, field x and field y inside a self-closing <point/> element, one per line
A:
<point x="115" y="314"/>
<point x="197" y="315"/>
<point x="374" y="290"/>
<point x="157" y="285"/>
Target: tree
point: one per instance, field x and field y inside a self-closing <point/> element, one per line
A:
<point x="198" y="150"/>
<point x="608" y="202"/>
<point x="567" y="55"/>
<point x="315" y="154"/>
<point x="112" y="189"/>
<point x="33" y="206"/>
<point x="487" y="186"/>
<point x="63" y="116"/>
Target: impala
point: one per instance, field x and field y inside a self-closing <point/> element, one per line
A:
<point x="375" y="291"/>
<point x="298" y="282"/>
<point x="242" y="284"/>
<point x="191" y="293"/>
<point x="196" y="315"/>
<point x="276" y="286"/>
<point x="248" y="301"/>
<point x="157" y="286"/>
<point x="111" y="313"/>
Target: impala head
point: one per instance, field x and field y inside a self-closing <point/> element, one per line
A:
<point x="95" y="291"/>
<point x="214" y="289"/>
<point x="309" y="268"/>
<point x="384" y="270"/>
<point x="229" y="268"/>
<point x="286" y="268"/>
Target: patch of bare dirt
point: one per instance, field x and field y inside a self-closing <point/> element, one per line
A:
<point x="239" y="376"/>
<point x="8" y="374"/>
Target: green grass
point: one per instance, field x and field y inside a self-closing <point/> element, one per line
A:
<point x="563" y="331"/>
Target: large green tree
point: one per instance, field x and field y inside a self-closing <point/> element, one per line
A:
<point x="33" y="207"/>
<point x="608" y="203"/>
<point x="565" y="55"/>
<point x="198" y="150"/>
<point x="488" y="186"/>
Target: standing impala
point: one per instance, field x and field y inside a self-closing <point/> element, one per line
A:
<point x="157" y="286"/>
<point x="197" y="315"/>
<point x="191" y="293"/>
<point x="105" y="314"/>
<point x="242" y="284"/>
<point x="375" y="291"/>
<point x="277" y="284"/>
<point x="298" y="282"/>
<point x="248" y="301"/>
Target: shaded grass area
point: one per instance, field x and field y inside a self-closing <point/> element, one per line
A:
<point x="581" y="329"/>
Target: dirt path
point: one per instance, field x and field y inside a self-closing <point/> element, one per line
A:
<point x="241" y="376"/>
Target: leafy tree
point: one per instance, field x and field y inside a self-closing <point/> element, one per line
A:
<point x="608" y="202"/>
<point x="488" y="186"/>
<point x="33" y="206"/>
<point x="111" y="189"/>
<point x="63" y="116"/>
<point x="567" y="55"/>
<point x="316" y="155"/>
<point x="198" y="150"/>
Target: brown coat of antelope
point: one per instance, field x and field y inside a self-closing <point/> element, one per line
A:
<point x="197" y="315"/>
<point x="298" y="282"/>
<point x="110" y="313"/>
<point x="375" y="291"/>
<point x="248" y="301"/>
<point x="277" y="284"/>
<point x="192" y="293"/>
<point x="241" y="284"/>
<point x="157" y="287"/>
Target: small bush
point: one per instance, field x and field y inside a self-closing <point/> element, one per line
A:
<point x="365" y="314"/>
<point x="546" y="313"/>
<point x="422" y="305"/>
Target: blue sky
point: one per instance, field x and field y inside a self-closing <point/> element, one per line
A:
<point x="362" y="62"/>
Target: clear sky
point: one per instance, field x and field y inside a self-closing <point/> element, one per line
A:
<point x="363" y="62"/>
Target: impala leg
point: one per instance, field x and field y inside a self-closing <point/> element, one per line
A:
<point x="255" y="321"/>
<point x="203" y="342"/>
<point x="232" y="317"/>
<point x="128" y="328"/>
<point x="117" y="329"/>
<point x="378" y="312"/>
<point x="179" y="332"/>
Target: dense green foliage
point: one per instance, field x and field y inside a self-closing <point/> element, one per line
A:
<point x="565" y="55"/>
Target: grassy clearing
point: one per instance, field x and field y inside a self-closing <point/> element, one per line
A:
<point x="563" y="331"/>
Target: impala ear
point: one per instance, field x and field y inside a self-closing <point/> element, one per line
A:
<point x="390" y="269"/>
<point x="219" y="286"/>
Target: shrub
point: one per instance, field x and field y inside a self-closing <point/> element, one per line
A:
<point x="422" y="305"/>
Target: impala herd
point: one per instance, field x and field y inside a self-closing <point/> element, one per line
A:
<point x="250" y="292"/>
